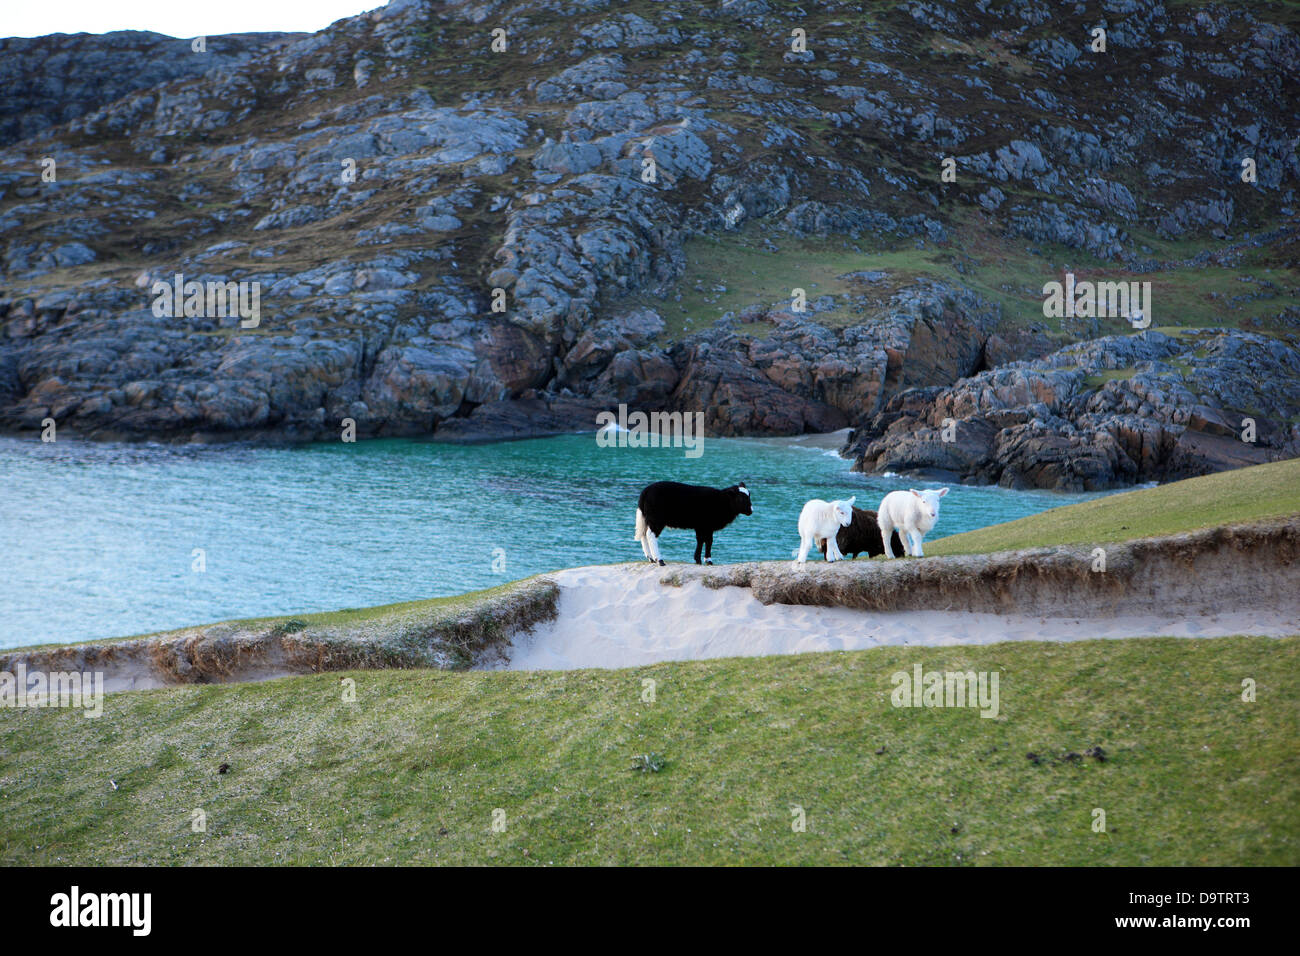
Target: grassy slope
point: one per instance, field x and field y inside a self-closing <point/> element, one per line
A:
<point x="413" y="770"/>
<point x="1248" y="494"/>
<point x="735" y="271"/>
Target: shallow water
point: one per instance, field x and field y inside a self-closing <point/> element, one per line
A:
<point x="99" y="540"/>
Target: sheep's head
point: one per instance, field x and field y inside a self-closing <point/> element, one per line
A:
<point x="929" y="503"/>
<point x="844" y="511"/>
<point x="740" y="495"/>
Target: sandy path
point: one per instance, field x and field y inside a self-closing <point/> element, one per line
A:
<point x="623" y="617"/>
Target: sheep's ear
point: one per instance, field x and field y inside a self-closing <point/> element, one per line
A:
<point x="915" y="492"/>
<point x="853" y="499"/>
<point x="942" y="492"/>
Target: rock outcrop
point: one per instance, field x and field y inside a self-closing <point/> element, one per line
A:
<point x="1109" y="412"/>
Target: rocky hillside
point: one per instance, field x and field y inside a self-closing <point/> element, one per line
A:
<point x="48" y="81"/>
<point x="475" y="220"/>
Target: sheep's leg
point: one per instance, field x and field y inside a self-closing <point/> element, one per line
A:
<point x="833" y="550"/>
<point x="917" y="550"/>
<point x="699" y="546"/>
<point x="653" y="540"/>
<point x="909" y="542"/>
<point x="805" y="542"/>
<point x="708" y="549"/>
<point x="886" y="534"/>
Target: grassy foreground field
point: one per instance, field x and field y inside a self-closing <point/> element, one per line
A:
<point x="413" y="770"/>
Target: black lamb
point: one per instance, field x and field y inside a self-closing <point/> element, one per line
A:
<point x="862" y="534"/>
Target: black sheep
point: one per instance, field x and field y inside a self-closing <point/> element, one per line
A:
<point x="670" y="504"/>
<point x="862" y="534"/>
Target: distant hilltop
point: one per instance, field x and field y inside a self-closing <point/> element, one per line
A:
<point x="51" y="80"/>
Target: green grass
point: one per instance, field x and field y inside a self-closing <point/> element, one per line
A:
<point x="444" y="605"/>
<point x="413" y="771"/>
<point x="1247" y="494"/>
<point x="735" y="271"/>
<point x="1109" y="375"/>
<point x="751" y="274"/>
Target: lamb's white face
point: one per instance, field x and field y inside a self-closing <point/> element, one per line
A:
<point x="929" y="502"/>
<point x="843" y="513"/>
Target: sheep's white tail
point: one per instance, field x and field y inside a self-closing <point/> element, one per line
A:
<point x="640" y="526"/>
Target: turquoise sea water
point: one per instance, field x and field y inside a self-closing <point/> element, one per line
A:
<point x="98" y="540"/>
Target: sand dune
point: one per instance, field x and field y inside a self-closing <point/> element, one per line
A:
<point x="623" y="616"/>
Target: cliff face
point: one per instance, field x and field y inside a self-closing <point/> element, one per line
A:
<point x="742" y="209"/>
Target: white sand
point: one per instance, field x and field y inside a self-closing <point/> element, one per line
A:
<point x="623" y="617"/>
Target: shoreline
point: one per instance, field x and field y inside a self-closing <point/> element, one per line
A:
<point x="1228" y="580"/>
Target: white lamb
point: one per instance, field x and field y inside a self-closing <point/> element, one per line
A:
<point x="823" y="520"/>
<point x="913" y="513"/>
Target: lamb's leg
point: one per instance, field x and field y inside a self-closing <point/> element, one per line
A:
<point x="833" y="550"/>
<point x="699" y="546"/>
<point x="708" y="549"/>
<point x="917" y="550"/>
<point x="886" y="534"/>
<point x="805" y="542"/>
